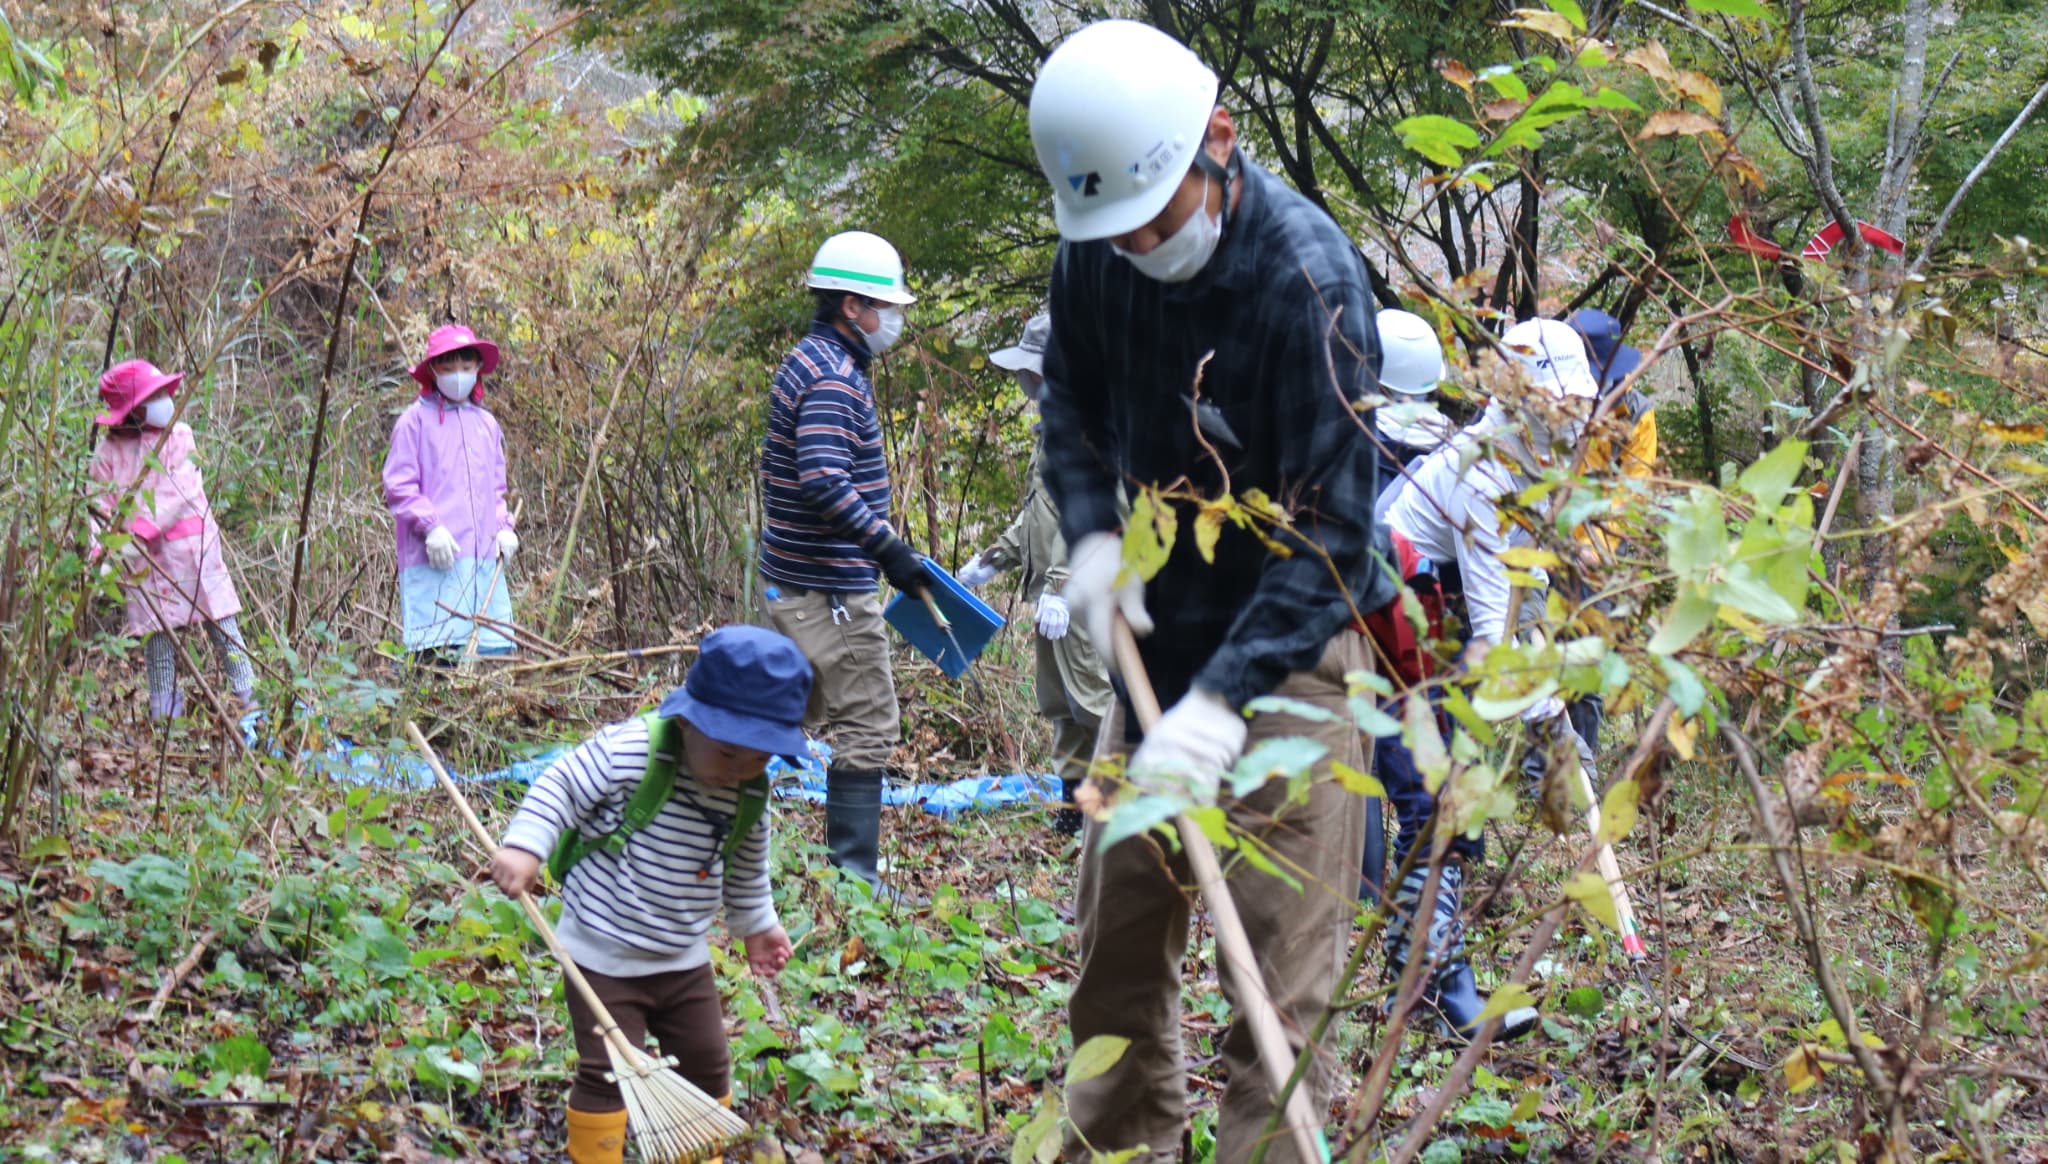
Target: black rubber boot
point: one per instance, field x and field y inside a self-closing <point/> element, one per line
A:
<point x="1449" y="988"/>
<point x="1066" y="819"/>
<point x="853" y="827"/>
<point x="853" y="820"/>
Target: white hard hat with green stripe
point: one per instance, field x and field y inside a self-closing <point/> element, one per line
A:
<point x="862" y="263"/>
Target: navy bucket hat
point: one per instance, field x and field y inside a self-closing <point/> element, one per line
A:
<point x="1612" y="359"/>
<point x="749" y="689"/>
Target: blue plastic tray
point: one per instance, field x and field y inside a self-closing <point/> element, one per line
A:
<point x="974" y="623"/>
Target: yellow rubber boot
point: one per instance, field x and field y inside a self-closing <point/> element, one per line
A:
<point x="725" y="1099"/>
<point x="597" y="1137"/>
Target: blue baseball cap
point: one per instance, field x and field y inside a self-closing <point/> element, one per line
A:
<point x="749" y="689"/>
<point x="1612" y="359"/>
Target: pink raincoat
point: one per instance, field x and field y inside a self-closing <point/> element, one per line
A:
<point x="447" y="467"/>
<point x="173" y="523"/>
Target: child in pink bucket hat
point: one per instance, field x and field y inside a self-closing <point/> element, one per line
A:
<point x="444" y="482"/>
<point x="171" y="563"/>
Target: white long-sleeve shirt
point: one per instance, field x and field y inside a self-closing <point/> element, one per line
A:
<point x="1450" y="509"/>
<point x="647" y="909"/>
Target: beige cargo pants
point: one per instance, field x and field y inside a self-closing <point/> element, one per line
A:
<point x="853" y="693"/>
<point x="1133" y="908"/>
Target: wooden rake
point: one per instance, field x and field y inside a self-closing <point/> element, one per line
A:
<point x="1276" y="1056"/>
<point x="672" y="1121"/>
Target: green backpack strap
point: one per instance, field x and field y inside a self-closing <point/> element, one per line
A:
<point x="753" y="805"/>
<point x="657" y="784"/>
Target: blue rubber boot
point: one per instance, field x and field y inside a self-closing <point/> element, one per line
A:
<point x="1449" y="990"/>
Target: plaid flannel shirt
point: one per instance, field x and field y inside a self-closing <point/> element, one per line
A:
<point x="1283" y="314"/>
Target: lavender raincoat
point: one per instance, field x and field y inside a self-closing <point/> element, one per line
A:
<point x="160" y="499"/>
<point x="447" y="467"/>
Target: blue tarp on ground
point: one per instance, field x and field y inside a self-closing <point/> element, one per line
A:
<point x="351" y="763"/>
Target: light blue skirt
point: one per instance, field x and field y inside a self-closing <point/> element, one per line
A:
<point x="423" y="591"/>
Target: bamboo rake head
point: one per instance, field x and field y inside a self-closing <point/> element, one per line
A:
<point x="671" y="1120"/>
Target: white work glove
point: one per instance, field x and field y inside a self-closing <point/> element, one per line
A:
<point x="131" y="557"/>
<point x="1544" y="710"/>
<point x="1190" y="748"/>
<point x="441" y="548"/>
<point x="1052" y="615"/>
<point x="1097" y="597"/>
<point x="508" y="544"/>
<point x="976" y="573"/>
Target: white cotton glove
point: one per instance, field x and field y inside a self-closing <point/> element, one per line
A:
<point x="508" y="544"/>
<point x="1096" y="595"/>
<point x="131" y="557"/>
<point x="1190" y="748"/>
<point x="1052" y="615"/>
<point x="976" y="573"/>
<point x="1544" y="710"/>
<point x="441" y="548"/>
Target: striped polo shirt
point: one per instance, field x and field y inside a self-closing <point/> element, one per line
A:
<point x="647" y="909"/>
<point x="824" y="484"/>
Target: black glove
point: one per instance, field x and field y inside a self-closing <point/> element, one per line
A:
<point x="901" y="565"/>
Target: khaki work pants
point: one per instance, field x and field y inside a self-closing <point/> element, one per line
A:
<point x="1134" y="910"/>
<point x="853" y="694"/>
<point x="1073" y="726"/>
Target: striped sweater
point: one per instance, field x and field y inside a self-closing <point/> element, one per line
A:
<point x="824" y="484"/>
<point x="648" y="909"/>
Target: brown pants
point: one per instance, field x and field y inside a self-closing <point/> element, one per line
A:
<point x="853" y="695"/>
<point x="680" y="1008"/>
<point x="1134" y="910"/>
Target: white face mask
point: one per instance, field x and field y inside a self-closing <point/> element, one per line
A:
<point x="889" y="329"/>
<point x="1183" y="255"/>
<point x="456" y="386"/>
<point x="157" y="413"/>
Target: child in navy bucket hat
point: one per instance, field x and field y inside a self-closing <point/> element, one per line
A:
<point x="653" y="826"/>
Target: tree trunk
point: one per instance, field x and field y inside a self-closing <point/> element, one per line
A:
<point x="1878" y="277"/>
<point x="1703" y="406"/>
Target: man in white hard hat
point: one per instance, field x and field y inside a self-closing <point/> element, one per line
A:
<point x="1212" y="330"/>
<point x="1449" y="508"/>
<point x="1409" y="426"/>
<point x="1073" y="690"/>
<point x="826" y="533"/>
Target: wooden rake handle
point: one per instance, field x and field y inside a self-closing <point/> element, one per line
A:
<point x="606" y="1026"/>
<point x="1270" y="1039"/>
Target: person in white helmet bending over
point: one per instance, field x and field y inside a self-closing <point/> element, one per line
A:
<point x="1212" y="330"/>
<point x="1408" y="426"/>
<point x="1450" y="509"/>
<point x="1450" y="505"/>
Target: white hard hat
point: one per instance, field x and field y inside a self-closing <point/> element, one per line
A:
<point x="1411" y="357"/>
<point x="862" y="263"/>
<point x="1117" y="115"/>
<point x="1555" y="356"/>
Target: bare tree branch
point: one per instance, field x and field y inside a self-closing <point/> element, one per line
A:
<point x="1940" y="227"/>
<point x="1820" y="167"/>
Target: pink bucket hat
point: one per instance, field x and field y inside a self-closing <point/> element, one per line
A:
<point x="453" y="338"/>
<point x="127" y="384"/>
